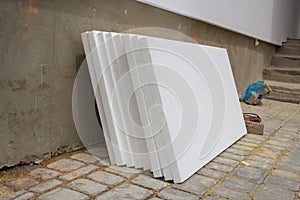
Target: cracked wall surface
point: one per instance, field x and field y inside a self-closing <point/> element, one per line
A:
<point x="41" y="51"/>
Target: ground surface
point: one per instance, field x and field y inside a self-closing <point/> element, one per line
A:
<point x="256" y="167"/>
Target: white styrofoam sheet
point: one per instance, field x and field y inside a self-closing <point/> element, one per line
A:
<point x="150" y="95"/>
<point x="196" y="96"/>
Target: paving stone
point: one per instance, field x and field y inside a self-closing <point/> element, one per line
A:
<point x="173" y="194"/>
<point x="270" y="152"/>
<point x="249" y="140"/>
<point x="289" y="135"/>
<point x="295" y="145"/>
<point x="268" y="131"/>
<point x="106" y="178"/>
<point x="282" y="182"/>
<point x="63" y="194"/>
<point x="292" y="158"/>
<point x="251" y="173"/>
<point x="148" y="182"/>
<point x="213" y="198"/>
<point x="288" y="130"/>
<point x="197" y="184"/>
<point x="79" y="172"/>
<point x="85" y="158"/>
<point x="126" y="191"/>
<point x="282" y="139"/>
<point x="123" y="171"/>
<point x="14" y="195"/>
<point x="275" y="148"/>
<point x="211" y="173"/>
<point x="258" y="164"/>
<point x="242" y="147"/>
<point x="240" y="184"/>
<point x="294" y="149"/>
<point x="26" y="196"/>
<point x="44" y="173"/>
<point x="228" y="193"/>
<point x="286" y="174"/>
<point x="261" y="159"/>
<point x="247" y="143"/>
<point x="285" y="136"/>
<point x="22" y="183"/>
<point x="268" y="192"/>
<point x="45" y="186"/>
<point x="237" y="151"/>
<point x="232" y="156"/>
<point x="277" y="143"/>
<point x="289" y="167"/>
<point x="255" y="137"/>
<point x="273" y="124"/>
<point x="226" y="161"/>
<point x="88" y="187"/>
<point x="65" y="165"/>
<point x="267" y="153"/>
<point x="219" y="167"/>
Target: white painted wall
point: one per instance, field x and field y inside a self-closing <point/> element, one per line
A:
<point x="268" y="20"/>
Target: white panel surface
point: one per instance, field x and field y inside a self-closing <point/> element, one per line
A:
<point x="144" y="72"/>
<point x="117" y="95"/>
<point x="92" y="67"/>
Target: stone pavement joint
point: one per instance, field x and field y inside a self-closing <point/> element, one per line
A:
<point x="14" y="195"/>
<point x="25" y="196"/>
<point x="79" y="172"/>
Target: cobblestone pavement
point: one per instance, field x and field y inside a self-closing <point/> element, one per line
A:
<point x="256" y="167"/>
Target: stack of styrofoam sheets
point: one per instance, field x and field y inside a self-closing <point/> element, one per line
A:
<point x="165" y="106"/>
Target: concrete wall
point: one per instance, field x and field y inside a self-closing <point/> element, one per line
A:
<point x="298" y="17"/>
<point x="269" y="20"/>
<point x="41" y="50"/>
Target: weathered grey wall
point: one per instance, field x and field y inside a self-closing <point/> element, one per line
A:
<point x="40" y="51"/>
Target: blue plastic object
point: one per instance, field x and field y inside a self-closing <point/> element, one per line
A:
<point x="256" y="86"/>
